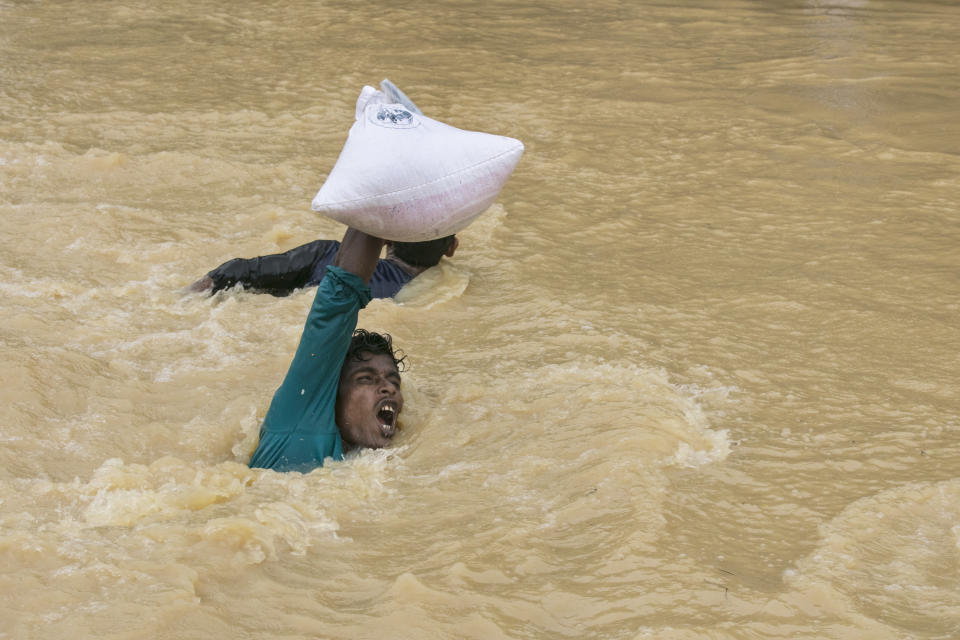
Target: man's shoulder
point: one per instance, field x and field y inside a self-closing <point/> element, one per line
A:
<point x="388" y="278"/>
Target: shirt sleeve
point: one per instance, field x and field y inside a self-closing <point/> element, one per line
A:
<point x="300" y="428"/>
<point x="278" y="273"/>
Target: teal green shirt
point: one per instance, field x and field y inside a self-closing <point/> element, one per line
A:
<point x="300" y="430"/>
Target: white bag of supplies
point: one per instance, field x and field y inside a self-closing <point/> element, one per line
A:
<point x="406" y="177"/>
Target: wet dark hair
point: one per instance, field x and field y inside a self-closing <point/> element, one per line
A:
<point x="422" y="254"/>
<point x="364" y="341"/>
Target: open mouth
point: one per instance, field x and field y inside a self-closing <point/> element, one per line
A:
<point x="387" y="419"/>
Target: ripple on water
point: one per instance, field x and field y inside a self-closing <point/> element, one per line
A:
<point x="893" y="557"/>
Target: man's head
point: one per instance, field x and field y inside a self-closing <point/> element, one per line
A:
<point x="368" y="397"/>
<point x="425" y="254"/>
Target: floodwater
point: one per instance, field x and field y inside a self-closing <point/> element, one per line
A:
<point x="694" y="375"/>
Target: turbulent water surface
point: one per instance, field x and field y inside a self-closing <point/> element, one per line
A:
<point x="694" y="375"/>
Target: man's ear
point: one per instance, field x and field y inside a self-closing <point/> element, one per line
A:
<point x="452" y="248"/>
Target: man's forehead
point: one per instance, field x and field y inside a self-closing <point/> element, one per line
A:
<point x="380" y="362"/>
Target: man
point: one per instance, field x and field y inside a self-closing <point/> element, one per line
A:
<point x="305" y="266"/>
<point x="342" y="390"/>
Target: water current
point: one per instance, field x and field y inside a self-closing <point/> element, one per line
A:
<point x="694" y="375"/>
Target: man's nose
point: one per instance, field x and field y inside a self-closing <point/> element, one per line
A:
<point x="387" y="387"/>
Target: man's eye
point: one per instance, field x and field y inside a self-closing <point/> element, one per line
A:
<point x="364" y="379"/>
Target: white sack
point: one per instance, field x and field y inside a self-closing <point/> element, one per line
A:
<point x="403" y="176"/>
<point x="395" y="96"/>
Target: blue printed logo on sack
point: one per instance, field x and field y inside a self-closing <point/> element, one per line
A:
<point x="393" y="116"/>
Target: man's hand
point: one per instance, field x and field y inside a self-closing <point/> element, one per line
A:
<point x="203" y="285"/>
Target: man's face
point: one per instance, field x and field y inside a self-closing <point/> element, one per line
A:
<point x="369" y="401"/>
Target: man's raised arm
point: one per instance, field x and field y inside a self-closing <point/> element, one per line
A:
<point x="359" y="253"/>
